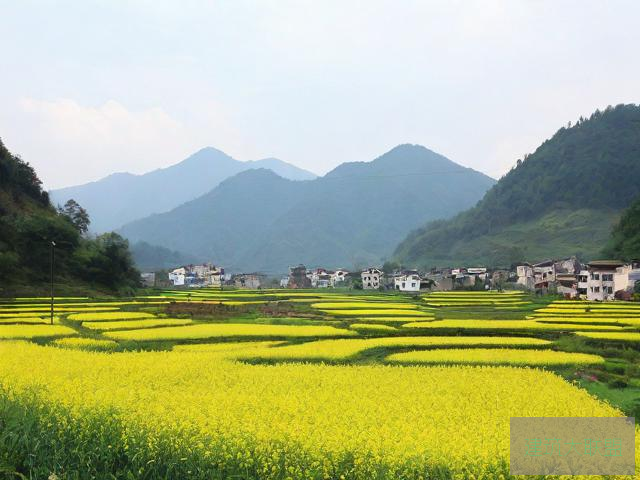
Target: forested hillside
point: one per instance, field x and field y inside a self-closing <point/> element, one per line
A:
<point x="625" y="237"/>
<point x="560" y="200"/>
<point x="149" y="257"/>
<point x="352" y="216"/>
<point x="28" y="226"/>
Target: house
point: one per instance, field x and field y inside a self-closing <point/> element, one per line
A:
<point x="371" y="278"/>
<point x="600" y="283"/>
<point x="544" y="273"/>
<point x="215" y="277"/>
<point x="478" y="274"/>
<point x="338" y="277"/>
<point x="298" y="277"/>
<point x="524" y="273"/>
<point x="148" y="280"/>
<point x="320" y="278"/>
<point x="204" y="275"/>
<point x="441" y="280"/>
<point x="407" y="281"/>
<point x="177" y="276"/>
<point x="251" y="281"/>
<point x="583" y="283"/>
<point x="626" y="277"/>
<point x="567" y="284"/>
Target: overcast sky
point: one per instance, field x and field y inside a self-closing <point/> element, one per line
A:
<point x="88" y="88"/>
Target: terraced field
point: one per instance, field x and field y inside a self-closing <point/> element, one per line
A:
<point x="300" y="384"/>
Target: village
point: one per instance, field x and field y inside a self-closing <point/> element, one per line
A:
<point x="598" y="280"/>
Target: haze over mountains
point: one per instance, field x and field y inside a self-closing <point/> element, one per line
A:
<point x="561" y="200"/>
<point x="122" y="197"/>
<point x="354" y="215"/>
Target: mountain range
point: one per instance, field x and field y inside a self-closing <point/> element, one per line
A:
<point x="123" y="197"/>
<point x="561" y="200"/>
<point x="354" y="215"/>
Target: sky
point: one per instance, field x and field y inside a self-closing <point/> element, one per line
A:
<point x="90" y="87"/>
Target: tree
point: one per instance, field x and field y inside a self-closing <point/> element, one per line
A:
<point x="107" y="261"/>
<point x="35" y="234"/>
<point x="390" y="267"/>
<point x="77" y="215"/>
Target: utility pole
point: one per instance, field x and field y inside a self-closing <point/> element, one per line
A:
<point x="53" y="244"/>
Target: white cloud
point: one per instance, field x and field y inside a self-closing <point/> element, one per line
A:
<point x="95" y="141"/>
<point x="69" y="143"/>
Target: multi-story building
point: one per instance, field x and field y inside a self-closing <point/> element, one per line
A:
<point x="525" y="276"/>
<point x="247" y="280"/>
<point x="601" y="284"/>
<point x="338" y="277"/>
<point x="205" y="275"/>
<point x="626" y="277"/>
<point x="407" y="281"/>
<point x="371" y="278"/>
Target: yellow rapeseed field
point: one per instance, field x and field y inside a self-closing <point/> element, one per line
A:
<point x="225" y="347"/>
<point x="345" y="348"/>
<point x="497" y="356"/>
<point x="595" y="320"/>
<point x="398" y="312"/>
<point x="620" y="336"/>
<point x="25" y="320"/>
<point x="34" y="331"/>
<point x="372" y="327"/>
<point x="134" y="324"/>
<point x="386" y="319"/>
<point x="215" y="330"/>
<point x="85" y="344"/>
<point x="362" y="305"/>
<point x="194" y="415"/>
<point x="506" y="325"/>
<point x="106" y="316"/>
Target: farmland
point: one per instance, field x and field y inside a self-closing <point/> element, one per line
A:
<point x="301" y="384"/>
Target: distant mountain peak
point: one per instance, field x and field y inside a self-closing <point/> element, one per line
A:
<point x="257" y="220"/>
<point x="123" y="197"/>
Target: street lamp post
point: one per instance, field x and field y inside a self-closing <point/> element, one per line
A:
<point x="53" y="244"/>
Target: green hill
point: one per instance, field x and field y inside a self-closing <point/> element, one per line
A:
<point x="625" y="237"/>
<point x="561" y="200"/>
<point x="28" y="226"/>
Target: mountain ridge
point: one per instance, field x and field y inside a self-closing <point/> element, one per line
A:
<point x="122" y="197"/>
<point x="353" y="215"/>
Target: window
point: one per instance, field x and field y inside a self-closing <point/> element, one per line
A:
<point x="595" y="276"/>
<point x="596" y="289"/>
<point x="607" y="277"/>
<point x="413" y="284"/>
<point x="608" y="290"/>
